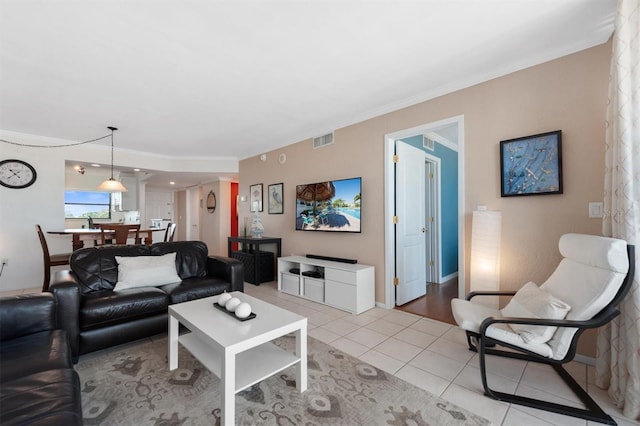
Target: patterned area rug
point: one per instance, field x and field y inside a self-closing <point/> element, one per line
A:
<point x="131" y="385"/>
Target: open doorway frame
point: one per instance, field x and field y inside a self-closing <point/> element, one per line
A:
<point x="194" y="198"/>
<point x="433" y="220"/>
<point x="389" y="202"/>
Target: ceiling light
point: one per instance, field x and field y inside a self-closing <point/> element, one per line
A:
<point x="112" y="185"/>
<point x="95" y="165"/>
<point x="136" y="170"/>
<point x="172" y="183"/>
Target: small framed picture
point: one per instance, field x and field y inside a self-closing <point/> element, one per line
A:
<point x="531" y="165"/>
<point x="274" y="195"/>
<point x="255" y="199"/>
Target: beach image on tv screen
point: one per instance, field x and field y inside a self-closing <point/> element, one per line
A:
<point x="329" y="206"/>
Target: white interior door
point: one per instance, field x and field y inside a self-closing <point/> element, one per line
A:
<point x="456" y="143"/>
<point x="410" y="229"/>
<point x="193" y="214"/>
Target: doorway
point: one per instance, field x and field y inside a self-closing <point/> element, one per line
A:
<point x="436" y="304"/>
<point x="432" y="218"/>
<point x="455" y="128"/>
<point x="193" y="213"/>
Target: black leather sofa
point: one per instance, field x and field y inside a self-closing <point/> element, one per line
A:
<point x="38" y="384"/>
<point x="96" y="317"/>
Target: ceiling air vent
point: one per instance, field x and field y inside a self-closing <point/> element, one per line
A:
<point x="322" y="141"/>
<point x="428" y="143"/>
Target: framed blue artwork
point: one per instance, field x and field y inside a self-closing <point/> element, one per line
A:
<point x="531" y="165"/>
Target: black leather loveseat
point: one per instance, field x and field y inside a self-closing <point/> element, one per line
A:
<point x="38" y="384"/>
<point x="95" y="316"/>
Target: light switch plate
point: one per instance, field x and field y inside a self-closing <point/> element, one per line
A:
<point x="595" y="210"/>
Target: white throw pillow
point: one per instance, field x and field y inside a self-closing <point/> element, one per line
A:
<point x="146" y="271"/>
<point x="531" y="302"/>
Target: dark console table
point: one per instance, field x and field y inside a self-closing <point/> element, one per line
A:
<point x="259" y="265"/>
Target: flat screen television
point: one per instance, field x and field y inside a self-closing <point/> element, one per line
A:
<point x="331" y="206"/>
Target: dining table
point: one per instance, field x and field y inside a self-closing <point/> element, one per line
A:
<point x="80" y="235"/>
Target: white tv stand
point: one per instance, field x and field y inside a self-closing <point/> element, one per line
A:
<point x="346" y="286"/>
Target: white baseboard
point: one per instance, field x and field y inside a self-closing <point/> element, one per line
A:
<point x="585" y="359"/>
<point x="447" y="278"/>
<point x="383" y="305"/>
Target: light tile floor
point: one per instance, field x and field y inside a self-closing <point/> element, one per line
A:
<point x="433" y="355"/>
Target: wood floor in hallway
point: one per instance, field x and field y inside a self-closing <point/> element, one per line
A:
<point x="437" y="302"/>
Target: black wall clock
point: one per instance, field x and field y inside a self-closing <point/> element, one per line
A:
<point x="17" y="174"/>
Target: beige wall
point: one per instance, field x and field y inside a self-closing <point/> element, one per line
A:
<point x="181" y="216"/>
<point x="567" y="94"/>
<point x="215" y="227"/>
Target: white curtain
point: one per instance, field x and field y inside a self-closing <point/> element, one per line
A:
<point x="618" y="359"/>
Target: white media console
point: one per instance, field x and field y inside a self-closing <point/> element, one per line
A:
<point x="346" y="286"/>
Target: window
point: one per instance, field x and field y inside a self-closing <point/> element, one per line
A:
<point x="85" y="204"/>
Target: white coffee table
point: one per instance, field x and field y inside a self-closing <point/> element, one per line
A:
<point x="240" y="353"/>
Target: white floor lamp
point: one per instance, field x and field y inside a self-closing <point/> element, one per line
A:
<point x="485" y="254"/>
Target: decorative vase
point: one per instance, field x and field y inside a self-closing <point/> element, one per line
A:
<point x="257" y="229"/>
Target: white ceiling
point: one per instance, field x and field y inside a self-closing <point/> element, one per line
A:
<point x="238" y="78"/>
<point x="153" y="179"/>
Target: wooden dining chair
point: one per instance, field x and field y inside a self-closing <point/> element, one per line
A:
<point x="50" y="260"/>
<point x="118" y="232"/>
<point x="168" y="233"/>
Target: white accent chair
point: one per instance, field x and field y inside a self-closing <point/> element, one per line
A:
<point x="543" y="324"/>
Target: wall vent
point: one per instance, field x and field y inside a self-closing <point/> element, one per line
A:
<point x="322" y="141"/>
<point x="428" y="143"/>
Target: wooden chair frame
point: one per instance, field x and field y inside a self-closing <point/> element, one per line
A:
<point x="121" y="233"/>
<point x="50" y="260"/>
<point x="486" y="346"/>
<point x="169" y="232"/>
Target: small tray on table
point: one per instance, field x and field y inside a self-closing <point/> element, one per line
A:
<point x="252" y="315"/>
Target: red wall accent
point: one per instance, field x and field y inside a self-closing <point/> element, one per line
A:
<point x="233" y="202"/>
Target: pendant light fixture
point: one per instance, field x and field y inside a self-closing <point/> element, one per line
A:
<point x="112" y="185"/>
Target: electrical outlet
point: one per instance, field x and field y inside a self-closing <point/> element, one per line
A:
<point x="5" y="261"/>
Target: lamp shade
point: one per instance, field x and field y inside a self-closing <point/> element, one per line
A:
<point x="111" y="185"/>
<point x="485" y="254"/>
